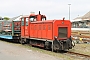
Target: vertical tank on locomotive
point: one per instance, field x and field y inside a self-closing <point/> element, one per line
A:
<point x="49" y="34"/>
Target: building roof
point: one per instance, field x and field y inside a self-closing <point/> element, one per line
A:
<point x="16" y="18"/>
<point x="1" y="18"/>
<point x="25" y="16"/>
<point x="84" y="17"/>
<point x="77" y="18"/>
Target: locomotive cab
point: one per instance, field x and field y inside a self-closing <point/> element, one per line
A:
<point x="37" y="17"/>
<point x="25" y="25"/>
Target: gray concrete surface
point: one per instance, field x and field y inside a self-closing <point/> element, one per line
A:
<point x="10" y="51"/>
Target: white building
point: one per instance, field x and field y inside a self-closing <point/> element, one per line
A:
<point x="81" y="22"/>
<point x="1" y="18"/>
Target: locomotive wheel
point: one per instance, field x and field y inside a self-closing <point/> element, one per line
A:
<point x="21" y="41"/>
<point x="56" y="45"/>
<point x="47" y="45"/>
<point x="30" y="43"/>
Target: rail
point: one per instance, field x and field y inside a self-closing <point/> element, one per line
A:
<point x="78" y="54"/>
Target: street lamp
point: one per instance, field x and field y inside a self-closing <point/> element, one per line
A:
<point x="69" y="11"/>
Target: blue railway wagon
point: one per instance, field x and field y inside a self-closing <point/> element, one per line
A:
<point x="10" y="29"/>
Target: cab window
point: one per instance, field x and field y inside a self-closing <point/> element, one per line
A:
<point x="22" y="21"/>
<point x="26" y="21"/>
<point x="32" y="18"/>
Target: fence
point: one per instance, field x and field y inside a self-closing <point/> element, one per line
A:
<point x="81" y="36"/>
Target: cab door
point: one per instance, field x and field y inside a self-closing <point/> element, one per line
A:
<point x="26" y="27"/>
<point x="22" y="27"/>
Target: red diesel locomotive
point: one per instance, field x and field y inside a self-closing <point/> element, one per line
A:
<point x="49" y="34"/>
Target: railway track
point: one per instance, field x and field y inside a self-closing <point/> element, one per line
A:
<point x="73" y="54"/>
<point x="78" y="55"/>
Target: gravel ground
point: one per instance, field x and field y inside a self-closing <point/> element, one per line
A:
<point x="12" y="51"/>
<point x="9" y="51"/>
<point x="82" y="48"/>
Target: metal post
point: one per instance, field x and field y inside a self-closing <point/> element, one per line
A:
<point x="69" y="11"/>
<point x="52" y="46"/>
<point x="12" y="28"/>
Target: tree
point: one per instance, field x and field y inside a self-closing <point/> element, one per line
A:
<point x="6" y="18"/>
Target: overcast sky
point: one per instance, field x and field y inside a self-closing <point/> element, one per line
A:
<point x="53" y="9"/>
